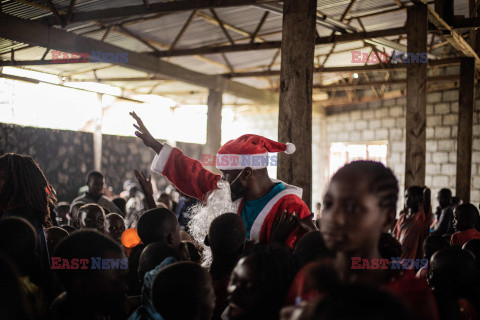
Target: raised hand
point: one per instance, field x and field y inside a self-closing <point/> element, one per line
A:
<point x="146" y="184"/>
<point x="143" y="133"/>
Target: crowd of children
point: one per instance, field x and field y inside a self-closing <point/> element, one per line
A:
<point x="105" y="257"/>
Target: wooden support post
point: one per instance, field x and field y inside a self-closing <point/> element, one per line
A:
<point x="97" y="135"/>
<point x="444" y="8"/>
<point x="466" y="103"/>
<point x="296" y="79"/>
<point x="416" y="98"/>
<point x="214" y="123"/>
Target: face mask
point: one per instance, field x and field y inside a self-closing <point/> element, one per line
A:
<point x="237" y="190"/>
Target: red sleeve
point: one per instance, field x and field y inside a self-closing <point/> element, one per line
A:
<point x="187" y="174"/>
<point x="454" y="239"/>
<point x="291" y="203"/>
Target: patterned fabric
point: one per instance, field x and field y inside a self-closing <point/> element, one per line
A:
<point x="147" y="311"/>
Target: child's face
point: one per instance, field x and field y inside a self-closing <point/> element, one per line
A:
<point x="460" y="221"/>
<point x="352" y="221"/>
<point x="114" y="227"/>
<point x="244" y="293"/>
<point x="91" y="219"/>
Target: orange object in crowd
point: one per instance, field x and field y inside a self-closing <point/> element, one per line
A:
<point x="130" y="239"/>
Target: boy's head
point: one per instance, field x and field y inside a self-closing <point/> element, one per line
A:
<point x="226" y="235"/>
<point x="259" y="283"/>
<point x="434" y="243"/>
<point x="310" y="247"/>
<point x="444" y="198"/>
<point x="453" y="271"/>
<point x="360" y="204"/>
<point x="114" y="226"/>
<point x="74" y="213"/>
<point x="464" y="217"/>
<point x="91" y="216"/>
<point x="121" y="204"/>
<point x="456" y="201"/>
<point x="183" y="290"/>
<point x="159" y="225"/>
<point x="166" y="200"/>
<point x="388" y="246"/>
<point x="62" y="210"/>
<point x="153" y="255"/>
<point x="18" y="241"/>
<point x="102" y="289"/>
<point x="414" y="198"/>
<point x="53" y="236"/>
<point x="474" y="247"/>
<point x="95" y="182"/>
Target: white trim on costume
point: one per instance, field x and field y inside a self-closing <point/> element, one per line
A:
<point x="158" y="163"/>
<point x="258" y="223"/>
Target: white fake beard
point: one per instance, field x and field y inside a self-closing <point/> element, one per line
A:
<point x="218" y="202"/>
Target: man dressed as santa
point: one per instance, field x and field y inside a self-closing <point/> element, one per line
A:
<point x="260" y="200"/>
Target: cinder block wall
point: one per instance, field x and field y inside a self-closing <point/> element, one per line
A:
<point x="385" y="120"/>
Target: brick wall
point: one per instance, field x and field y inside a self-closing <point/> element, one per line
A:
<point x="385" y="120"/>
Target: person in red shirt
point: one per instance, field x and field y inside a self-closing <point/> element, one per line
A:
<point x="360" y="204"/>
<point x="412" y="227"/>
<point x="464" y="219"/>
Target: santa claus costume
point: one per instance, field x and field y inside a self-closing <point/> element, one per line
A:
<point x="192" y="179"/>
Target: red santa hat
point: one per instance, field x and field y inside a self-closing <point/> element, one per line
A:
<point x="250" y="150"/>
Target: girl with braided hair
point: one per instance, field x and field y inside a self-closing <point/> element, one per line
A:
<point x="25" y="193"/>
<point x="360" y="204"/>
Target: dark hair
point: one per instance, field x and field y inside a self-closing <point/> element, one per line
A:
<point x="362" y="303"/>
<point x="381" y="181"/>
<point x="469" y="212"/>
<point x="25" y="185"/>
<point x="227" y="234"/>
<point x="132" y="277"/>
<point x="445" y="193"/>
<point x="454" y="271"/>
<point x="83" y="244"/>
<point x="388" y="246"/>
<point x="276" y="270"/>
<point x="121" y="204"/>
<point x="155" y="224"/>
<point x="153" y="255"/>
<point x="434" y="243"/>
<point x="68" y="228"/>
<point x="18" y="241"/>
<point x="94" y="174"/>
<point x="90" y="206"/>
<point x="310" y="247"/>
<point x="12" y="298"/>
<point x="456" y="200"/>
<point x="474" y="247"/>
<point x="187" y="280"/>
<point x="114" y="214"/>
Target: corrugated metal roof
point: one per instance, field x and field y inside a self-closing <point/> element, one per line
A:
<point x="161" y="32"/>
